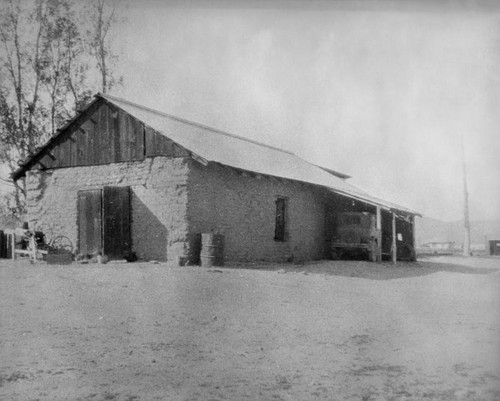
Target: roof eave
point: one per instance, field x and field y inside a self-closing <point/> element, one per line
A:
<point x="373" y="202"/>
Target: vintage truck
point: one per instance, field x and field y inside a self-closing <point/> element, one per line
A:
<point x="356" y="235"/>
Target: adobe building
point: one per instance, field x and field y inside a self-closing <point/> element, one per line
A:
<point x="121" y="178"/>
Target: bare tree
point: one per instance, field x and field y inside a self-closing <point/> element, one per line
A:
<point x="65" y="64"/>
<point x="102" y="18"/>
<point x="46" y="72"/>
<point x="20" y="84"/>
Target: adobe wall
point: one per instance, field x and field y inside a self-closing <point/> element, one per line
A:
<point x="242" y="207"/>
<point x="158" y="202"/>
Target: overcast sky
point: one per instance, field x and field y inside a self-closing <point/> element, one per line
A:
<point x="381" y="91"/>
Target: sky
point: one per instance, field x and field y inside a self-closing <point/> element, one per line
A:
<point x="383" y="91"/>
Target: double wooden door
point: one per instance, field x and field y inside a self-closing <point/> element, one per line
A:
<point x="104" y="222"/>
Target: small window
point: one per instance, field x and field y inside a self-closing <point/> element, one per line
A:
<point x="280" y="228"/>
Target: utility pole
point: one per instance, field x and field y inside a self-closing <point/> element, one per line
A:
<point x="466" y="250"/>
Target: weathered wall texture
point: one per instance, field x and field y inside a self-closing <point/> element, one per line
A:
<point x="158" y="202"/>
<point x="172" y="198"/>
<point x="242" y="207"/>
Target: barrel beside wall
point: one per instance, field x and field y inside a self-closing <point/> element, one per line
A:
<point x="212" y="250"/>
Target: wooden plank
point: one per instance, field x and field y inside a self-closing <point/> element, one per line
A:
<point x="89" y="148"/>
<point x="179" y="151"/>
<point x="132" y="139"/>
<point x="74" y="148"/>
<point x="413" y="237"/>
<point x="105" y="130"/>
<point x="101" y="130"/>
<point x="139" y="126"/>
<point x="90" y="221"/>
<point x="125" y="136"/>
<point x="86" y="128"/>
<point x="57" y="150"/>
<point x="96" y="142"/>
<point x="60" y="152"/>
<point x="159" y="145"/>
<point x="116" y="155"/>
<point x="379" y="227"/>
<point x="122" y="134"/>
<point x="71" y="142"/>
<point x="150" y="142"/>
<point x="117" y="222"/>
<point x="394" y="239"/>
<point x="91" y="126"/>
<point x="81" y="143"/>
<point x="137" y="139"/>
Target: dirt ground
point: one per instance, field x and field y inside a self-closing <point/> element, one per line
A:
<point x="342" y="330"/>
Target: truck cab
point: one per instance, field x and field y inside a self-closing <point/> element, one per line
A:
<point x="356" y="235"/>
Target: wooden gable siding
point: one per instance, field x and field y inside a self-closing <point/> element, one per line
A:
<point x="105" y="134"/>
<point x="159" y="145"/>
<point x="102" y="134"/>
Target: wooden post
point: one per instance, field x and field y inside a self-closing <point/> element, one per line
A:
<point x="414" y="238"/>
<point x="394" y="245"/>
<point x="379" y="239"/>
<point x="13" y="236"/>
<point x="466" y="248"/>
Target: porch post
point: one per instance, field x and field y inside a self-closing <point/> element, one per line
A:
<point x="394" y="246"/>
<point x="379" y="239"/>
<point x="13" y="244"/>
<point x="414" y="239"/>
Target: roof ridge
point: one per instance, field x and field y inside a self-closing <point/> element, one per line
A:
<point x="189" y="122"/>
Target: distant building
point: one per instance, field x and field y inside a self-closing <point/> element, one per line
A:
<point x="439" y="247"/>
<point x="493" y="247"/>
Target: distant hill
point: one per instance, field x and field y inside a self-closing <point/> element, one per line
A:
<point x="433" y="230"/>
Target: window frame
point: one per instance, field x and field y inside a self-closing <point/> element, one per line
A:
<point x="281" y="219"/>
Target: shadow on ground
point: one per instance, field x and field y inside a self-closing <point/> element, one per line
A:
<point x="343" y="268"/>
<point x="377" y="271"/>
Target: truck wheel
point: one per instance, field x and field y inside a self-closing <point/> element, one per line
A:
<point x="406" y="252"/>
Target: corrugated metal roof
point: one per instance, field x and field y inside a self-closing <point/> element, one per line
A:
<point x="234" y="151"/>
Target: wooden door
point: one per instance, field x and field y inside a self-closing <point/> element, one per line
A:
<point x="90" y="222"/>
<point x="494" y="247"/>
<point x="116" y="222"/>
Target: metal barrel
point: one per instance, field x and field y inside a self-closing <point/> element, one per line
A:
<point x="212" y="250"/>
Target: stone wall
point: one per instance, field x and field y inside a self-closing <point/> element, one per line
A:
<point x="158" y="202"/>
<point x="242" y="208"/>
